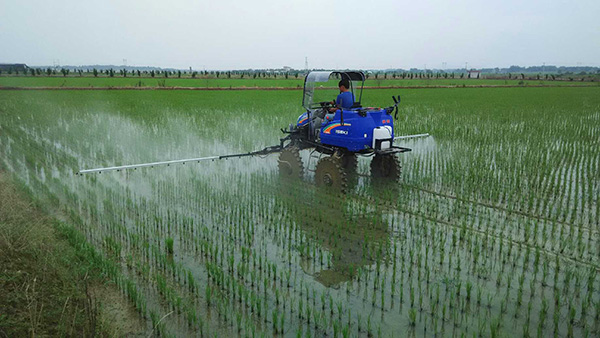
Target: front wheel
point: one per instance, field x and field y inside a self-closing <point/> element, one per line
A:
<point x="290" y="163"/>
<point x="330" y="175"/>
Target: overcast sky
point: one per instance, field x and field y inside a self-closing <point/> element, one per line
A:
<point x="237" y="34"/>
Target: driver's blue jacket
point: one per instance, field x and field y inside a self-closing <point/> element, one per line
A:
<point x="345" y="100"/>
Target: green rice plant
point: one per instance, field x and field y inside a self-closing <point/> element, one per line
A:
<point x="556" y="318"/>
<point x="169" y="245"/>
<point x="208" y="294"/>
<point x="412" y="317"/>
<point x="469" y="287"/>
<point x="275" y="315"/>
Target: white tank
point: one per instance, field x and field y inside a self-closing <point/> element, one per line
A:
<point x="382" y="133"/>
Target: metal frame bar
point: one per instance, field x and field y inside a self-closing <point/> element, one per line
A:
<point x="410" y="136"/>
<point x="265" y="151"/>
<point x="142" y="165"/>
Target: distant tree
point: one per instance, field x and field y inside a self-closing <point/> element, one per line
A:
<point x="194" y="75"/>
<point x="385" y="75"/>
<point x="179" y="74"/>
<point x="111" y="72"/>
<point x="80" y="72"/>
<point x="286" y="75"/>
<point x="166" y="73"/>
<point x="95" y="72"/>
<point x="296" y="75"/>
<point x="242" y="76"/>
<point x="124" y="72"/>
<point x="152" y="73"/>
<point x="217" y="73"/>
<point x="49" y="71"/>
<point x="462" y="75"/>
<point x="522" y="76"/>
<point x="229" y="74"/>
<point x="139" y="73"/>
<point x="32" y="71"/>
<point x="254" y="75"/>
<point x="38" y="71"/>
<point x="64" y="71"/>
<point x="478" y="75"/>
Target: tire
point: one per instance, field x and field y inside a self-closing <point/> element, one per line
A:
<point x="386" y="167"/>
<point x="349" y="162"/>
<point x="290" y="163"/>
<point x="330" y="175"/>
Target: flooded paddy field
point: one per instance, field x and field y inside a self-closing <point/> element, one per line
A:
<point x="492" y="230"/>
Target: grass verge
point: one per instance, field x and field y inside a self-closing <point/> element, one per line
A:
<point x="52" y="282"/>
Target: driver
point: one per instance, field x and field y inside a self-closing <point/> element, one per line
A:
<point x="344" y="100"/>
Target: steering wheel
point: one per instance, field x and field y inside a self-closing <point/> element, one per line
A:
<point x="327" y="104"/>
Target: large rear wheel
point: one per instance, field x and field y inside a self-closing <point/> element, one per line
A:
<point x="349" y="162"/>
<point x="386" y="167"/>
<point x="330" y="175"/>
<point x="290" y="163"/>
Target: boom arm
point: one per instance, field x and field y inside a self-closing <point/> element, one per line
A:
<point x="265" y="151"/>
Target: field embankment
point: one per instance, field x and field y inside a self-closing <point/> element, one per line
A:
<point x="51" y="280"/>
<point x="75" y="82"/>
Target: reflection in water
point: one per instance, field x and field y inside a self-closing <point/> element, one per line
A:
<point x="333" y="222"/>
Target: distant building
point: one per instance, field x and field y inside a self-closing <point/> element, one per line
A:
<point x="473" y="74"/>
<point x="15" y="67"/>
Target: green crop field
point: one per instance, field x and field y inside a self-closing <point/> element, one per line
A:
<point x="291" y="82"/>
<point x="493" y="229"/>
